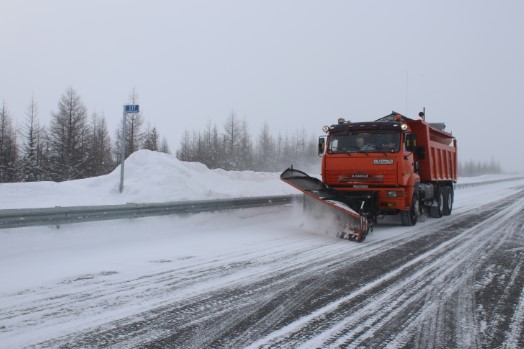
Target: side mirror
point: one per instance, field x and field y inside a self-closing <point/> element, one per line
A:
<point x="321" y="145"/>
<point x="421" y="153"/>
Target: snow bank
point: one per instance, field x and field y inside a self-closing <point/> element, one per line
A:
<point x="149" y="177"/>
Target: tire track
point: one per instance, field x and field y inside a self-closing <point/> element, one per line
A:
<point x="363" y="322"/>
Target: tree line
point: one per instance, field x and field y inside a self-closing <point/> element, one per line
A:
<point x="472" y="168"/>
<point x="72" y="146"/>
<point x="75" y="146"/>
<point x="234" y="148"/>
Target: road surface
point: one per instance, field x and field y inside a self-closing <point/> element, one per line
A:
<point x="453" y="282"/>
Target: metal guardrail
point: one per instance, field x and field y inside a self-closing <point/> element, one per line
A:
<point x="476" y="184"/>
<point x="13" y="218"/>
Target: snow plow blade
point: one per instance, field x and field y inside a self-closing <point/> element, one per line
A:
<point x="322" y="201"/>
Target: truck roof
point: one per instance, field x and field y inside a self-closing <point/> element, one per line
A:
<point x="351" y="126"/>
<point x="391" y="121"/>
<point x="388" y="122"/>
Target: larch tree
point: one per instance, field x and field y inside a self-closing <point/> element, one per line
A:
<point x="68" y="137"/>
<point x="32" y="160"/>
<point x="100" y="160"/>
<point x="151" y="138"/>
<point x="185" y="152"/>
<point x="231" y="141"/>
<point x="245" y="149"/>
<point x="164" y="146"/>
<point x="217" y="151"/>
<point x="266" y="155"/>
<point x="8" y="147"/>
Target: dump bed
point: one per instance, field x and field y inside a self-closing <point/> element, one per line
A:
<point x="438" y="155"/>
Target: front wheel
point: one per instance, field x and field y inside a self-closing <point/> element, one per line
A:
<point x="409" y="218"/>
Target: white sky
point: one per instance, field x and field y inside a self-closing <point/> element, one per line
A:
<point x="293" y="64"/>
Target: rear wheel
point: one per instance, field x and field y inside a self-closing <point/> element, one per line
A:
<point x="436" y="210"/>
<point x="448" y="201"/>
<point x="410" y="217"/>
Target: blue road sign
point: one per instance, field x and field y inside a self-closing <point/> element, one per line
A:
<point x="133" y="108"/>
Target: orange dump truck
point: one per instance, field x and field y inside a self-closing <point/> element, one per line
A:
<point x="392" y="166"/>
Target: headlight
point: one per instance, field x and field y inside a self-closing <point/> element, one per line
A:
<point x="404" y="127"/>
<point x="392" y="194"/>
<point x="325" y="129"/>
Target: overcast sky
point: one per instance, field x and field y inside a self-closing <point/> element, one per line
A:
<point x="292" y="64"/>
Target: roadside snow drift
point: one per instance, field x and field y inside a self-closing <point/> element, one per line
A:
<point x="149" y="177"/>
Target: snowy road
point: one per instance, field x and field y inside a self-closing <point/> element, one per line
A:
<point x="266" y="278"/>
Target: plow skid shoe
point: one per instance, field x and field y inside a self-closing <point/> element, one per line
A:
<point x="322" y="202"/>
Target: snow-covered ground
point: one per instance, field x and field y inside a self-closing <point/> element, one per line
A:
<point x="149" y="177"/>
<point x="56" y="283"/>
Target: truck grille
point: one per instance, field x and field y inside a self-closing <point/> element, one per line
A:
<point x="353" y="177"/>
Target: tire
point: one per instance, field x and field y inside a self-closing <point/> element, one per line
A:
<point x="409" y="218"/>
<point x="436" y="210"/>
<point x="448" y="201"/>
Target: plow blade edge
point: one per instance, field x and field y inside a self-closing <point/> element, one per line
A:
<point x="322" y="201"/>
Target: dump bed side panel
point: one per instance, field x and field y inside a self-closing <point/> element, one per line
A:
<point x="439" y="159"/>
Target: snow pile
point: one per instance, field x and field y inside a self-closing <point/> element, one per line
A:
<point x="149" y="177"/>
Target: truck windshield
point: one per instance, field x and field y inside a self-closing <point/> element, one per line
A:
<point x="364" y="142"/>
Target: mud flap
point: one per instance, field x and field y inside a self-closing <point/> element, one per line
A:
<point x="323" y="202"/>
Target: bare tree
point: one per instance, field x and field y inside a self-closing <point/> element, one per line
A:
<point x="232" y="139"/>
<point x="151" y="138"/>
<point x="100" y="159"/>
<point x="164" y="146"/>
<point x="184" y="153"/>
<point x="245" y="149"/>
<point x="32" y="160"/>
<point x="8" y="147"/>
<point x="266" y="154"/>
<point x="68" y="135"/>
<point x="43" y="152"/>
<point x="217" y="149"/>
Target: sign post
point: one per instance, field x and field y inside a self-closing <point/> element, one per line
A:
<point x="128" y="109"/>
